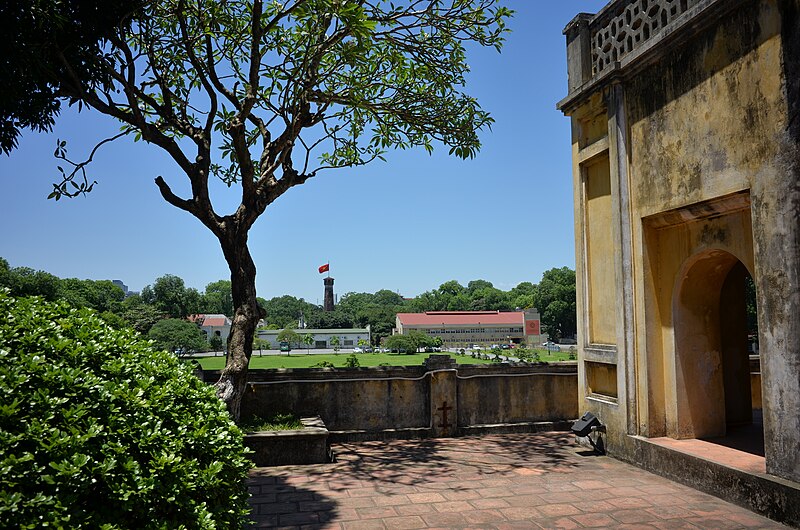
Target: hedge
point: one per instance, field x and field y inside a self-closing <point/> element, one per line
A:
<point x="99" y="431"/>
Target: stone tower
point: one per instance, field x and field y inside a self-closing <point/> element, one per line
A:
<point x="328" y="304"/>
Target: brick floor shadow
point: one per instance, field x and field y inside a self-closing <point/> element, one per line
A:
<point x="280" y="502"/>
<point x="496" y="481"/>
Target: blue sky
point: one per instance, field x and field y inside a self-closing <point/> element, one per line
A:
<point x="408" y="224"/>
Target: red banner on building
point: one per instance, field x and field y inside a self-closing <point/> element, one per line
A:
<point x="532" y="327"/>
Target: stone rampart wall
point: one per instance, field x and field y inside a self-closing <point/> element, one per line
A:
<point x="417" y="401"/>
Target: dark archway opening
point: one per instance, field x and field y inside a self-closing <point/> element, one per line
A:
<point x="740" y="365"/>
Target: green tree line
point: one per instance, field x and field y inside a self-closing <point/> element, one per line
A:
<point x="169" y="297"/>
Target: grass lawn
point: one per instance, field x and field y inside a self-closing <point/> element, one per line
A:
<point x="301" y="360"/>
<point x="550" y="357"/>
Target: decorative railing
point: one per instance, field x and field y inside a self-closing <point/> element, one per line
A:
<point x="626" y="26"/>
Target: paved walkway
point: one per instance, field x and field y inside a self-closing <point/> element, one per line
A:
<point x="498" y="481"/>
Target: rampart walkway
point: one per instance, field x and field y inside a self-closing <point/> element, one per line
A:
<point x="498" y="481"/>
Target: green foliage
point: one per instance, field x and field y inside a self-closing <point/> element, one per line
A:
<point x="290" y="336"/>
<point x="335" y="343"/>
<point x="171" y="296"/>
<point x="336" y="319"/>
<point x="400" y="343"/>
<point x="217" y="298"/>
<point x="261" y="344"/>
<point x="308" y="340"/>
<point x="140" y="316"/>
<point x="216" y="344"/>
<point x="323" y="364"/>
<point x="751" y="306"/>
<point x="24" y="281"/>
<point x="99" y="431"/>
<point x="35" y="37"/>
<point x="283" y="311"/>
<point x="420" y="339"/>
<point x="278" y="422"/>
<point x="352" y="361"/>
<point x="555" y="298"/>
<point x="177" y="336"/>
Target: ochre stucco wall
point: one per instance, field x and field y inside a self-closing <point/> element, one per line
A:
<point x="703" y="169"/>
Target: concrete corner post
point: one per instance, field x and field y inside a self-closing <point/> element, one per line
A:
<point x="444" y="396"/>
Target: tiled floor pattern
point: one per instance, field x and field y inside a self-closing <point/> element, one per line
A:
<point x="499" y="481"/>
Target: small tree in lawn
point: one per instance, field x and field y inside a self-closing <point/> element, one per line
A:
<point x="335" y="342"/>
<point x="267" y="95"/>
<point x="290" y="336"/>
<point x="308" y="340"/>
<point x="215" y="342"/>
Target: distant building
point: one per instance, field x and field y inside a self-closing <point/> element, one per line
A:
<point x="121" y="285"/>
<point x="464" y="328"/>
<point x="213" y="324"/>
<point x="348" y="338"/>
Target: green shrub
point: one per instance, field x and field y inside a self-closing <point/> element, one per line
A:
<point x="98" y="431"/>
<point x="323" y="364"/>
<point x="352" y="361"/>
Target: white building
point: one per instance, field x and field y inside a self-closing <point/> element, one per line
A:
<point x="348" y="338"/>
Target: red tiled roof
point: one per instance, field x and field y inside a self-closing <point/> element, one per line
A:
<point x="215" y="321"/>
<point x="461" y="318"/>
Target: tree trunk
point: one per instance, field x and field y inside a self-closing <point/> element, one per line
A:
<point x="246" y="315"/>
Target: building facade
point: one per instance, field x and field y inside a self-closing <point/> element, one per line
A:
<point x="348" y="338"/>
<point x="213" y="325"/>
<point x="685" y="126"/>
<point x="459" y="329"/>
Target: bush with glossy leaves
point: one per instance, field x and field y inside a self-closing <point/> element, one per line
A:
<point x="99" y="431"/>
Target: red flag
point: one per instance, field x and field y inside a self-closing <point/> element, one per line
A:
<point x="325" y="268"/>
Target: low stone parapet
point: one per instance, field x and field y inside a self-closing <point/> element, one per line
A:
<point x="308" y="445"/>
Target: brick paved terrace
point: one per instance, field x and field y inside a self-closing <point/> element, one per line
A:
<point x="499" y="481"/>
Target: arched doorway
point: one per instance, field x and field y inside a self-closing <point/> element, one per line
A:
<point x="712" y="365"/>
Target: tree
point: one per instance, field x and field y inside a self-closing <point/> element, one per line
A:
<point x="39" y="40"/>
<point x="177" y="336"/>
<point x="290" y="336"/>
<point x="24" y="281"/>
<point x="420" y="339"/>
<point x="335" y="342"/>
<point x="99" y="295"/>
<point x="400" y="343"/>
<point x="308" y="340"/>
<point x="555" y="299"/>
<point x="215" y="343"/>
<point x="285" y="91"/>
<point x="335" y="319"/>
<point x="284" y="311"/>
<point x="171" y="296"/>
<point x="139" y="315"/>
<point x="217" y="298"/>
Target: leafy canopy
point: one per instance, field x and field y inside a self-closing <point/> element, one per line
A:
<point x="286" y="89"/>
<point x="177" y="336"/>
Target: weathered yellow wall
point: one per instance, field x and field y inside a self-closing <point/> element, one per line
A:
<point x="707" y="122"/>
<point x="601" y="379"/>
<point x="703" y="137"/>
<point x="702" y="126"/>
<point x="600" y="249"/>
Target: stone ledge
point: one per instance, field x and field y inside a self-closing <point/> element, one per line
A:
<point x="308" y="445"/>
<point x="767" y="495"/>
